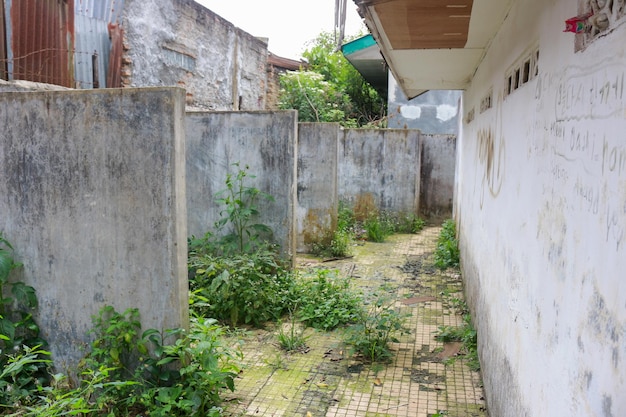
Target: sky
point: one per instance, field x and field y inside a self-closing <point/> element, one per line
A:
<point x="289" y="24"/>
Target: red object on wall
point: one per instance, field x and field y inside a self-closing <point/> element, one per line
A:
<point x="578" y="24"/>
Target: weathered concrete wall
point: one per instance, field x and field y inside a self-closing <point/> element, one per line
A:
<point x="541" y="208"/>
<point x="264" y="141"/>
<point x="317" y="183"/>
<point x="181" y="43"/>
<point x="92" y="196"/>
<point x="437" y="175"/>
<point x="432" y="112"/>
<point x="379" y="169"/>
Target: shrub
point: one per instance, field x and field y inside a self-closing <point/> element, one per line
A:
<point x="164" y="373"/>
<point x="447" y="252"/>
<point x="325" y="300"/>
<point x="242" y="288"/>
<point x="375" y="329"/>
<point x="23" y="359"/>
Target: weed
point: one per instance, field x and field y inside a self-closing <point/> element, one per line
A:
<point x="242" y="288"/>
<point x="376" y="328"/>
<point x="164" y="373"/>
<point x="377" y="230"/>
<point x="293" y="339"/>
<point x="23" y="358"/>
<point x="241" y="209"/>
<point x="447" y="253"/>
<point x="409" y="223"/>
<point x="346" y="220"/>
<point x="326" y="300"/>
<point x="465" y="334"/>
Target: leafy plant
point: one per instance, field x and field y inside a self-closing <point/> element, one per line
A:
<point x="465" y="334"/>
<point x="447" y="254"/>
<point x="377" y="229"/>
<point x="242" y="288"/>
<point x="326" y="300"/>
<point x="409" y="223"/>
<point x="165" y="373"/>
<point x="331" y="89"/>
<point x="23" y="357"/>
<point x="375" y="329"/>
<point x="241" y="200"/>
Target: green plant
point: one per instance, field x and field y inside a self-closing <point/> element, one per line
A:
<point x="242" y="288"/>
<point x="378" y="327"/>
<point x="409" y="223"/>
<point x="465" y="334"/>
<point x="447" y="254"/>
<point x="293" y="338"/>
<point x="164" y="373"/>
<point x="201" y="366"/>
<point x="378" y="228"/>
<point x="58" y="399"/>
<point x="345" y="218"/>
<point x="326" y="300"/>
<point x="23" y="359"/>
<point x="241" y="209"/>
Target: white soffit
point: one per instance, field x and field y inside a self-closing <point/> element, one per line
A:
<point x="420" y="70"/>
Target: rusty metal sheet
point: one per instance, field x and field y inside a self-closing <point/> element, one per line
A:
<point x="3" y="50"/>
<point x="40" y="39"/>
<point x="109" y="11"/>
<point x="114" y="71"/>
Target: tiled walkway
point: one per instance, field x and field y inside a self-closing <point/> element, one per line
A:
<point x="420" y="382"/>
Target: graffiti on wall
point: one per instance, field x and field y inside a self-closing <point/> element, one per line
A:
<point x="592" y="156"/>
<point x="491" y="158"/>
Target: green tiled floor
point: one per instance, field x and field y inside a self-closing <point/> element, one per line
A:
<point x="325" y="381"/>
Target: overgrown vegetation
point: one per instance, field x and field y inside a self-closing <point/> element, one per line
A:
<point x="368" y="224"/>
<point x="159" y="373"/>
<point x="465" y="334"/>
<point x="378" y="326"/>
<point x="326" y="301"/>
<point x="237" y="277"/>
<point x="447" y="254"/>
<point x="23" y="358"/>
<point x="330" y="89"/>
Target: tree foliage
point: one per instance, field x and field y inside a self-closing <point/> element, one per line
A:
<point x="331" y="89"/>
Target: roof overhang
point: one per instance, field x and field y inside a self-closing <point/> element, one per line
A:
<point x="433" y="44"/>
<point x="364" y="55"/>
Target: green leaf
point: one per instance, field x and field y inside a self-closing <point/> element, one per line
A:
<point x="7" y="328"/>
<point x="24" y="294"/>
<point x="6" y="265"/>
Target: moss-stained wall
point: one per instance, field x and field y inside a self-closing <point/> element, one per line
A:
<point x="92" y="197"/>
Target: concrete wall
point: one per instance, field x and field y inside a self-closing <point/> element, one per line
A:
<point x="433" y="112"/>
<point x="379" y="168"/>
<point x="181" y="43"/>
<point x="437" y="175"/>
<point x="541" y="208"/>
<point x="317" y="182"/>
<point x="92" y="198"/>
<point x="267" y="143"/>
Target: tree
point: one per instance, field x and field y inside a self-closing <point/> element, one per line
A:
<point x="331" y="89"/>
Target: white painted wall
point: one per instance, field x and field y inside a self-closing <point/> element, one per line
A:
<point x="541" y="208"/>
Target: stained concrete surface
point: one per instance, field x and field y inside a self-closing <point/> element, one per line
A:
<point x="323" y="380"/>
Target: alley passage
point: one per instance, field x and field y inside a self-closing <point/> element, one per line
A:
<point x="425" y="379"/>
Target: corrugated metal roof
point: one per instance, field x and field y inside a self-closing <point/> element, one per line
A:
<point x="40" y="40"/>
<point x="93" y="41"/>
<point x="3" y="51"/>
<point x="106" y="10"/>
<point x="92" y="47"/>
